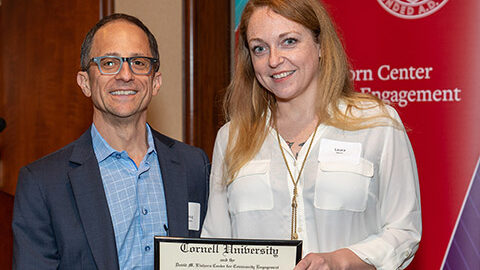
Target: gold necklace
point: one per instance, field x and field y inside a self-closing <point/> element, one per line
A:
<point x="293" y="231"/>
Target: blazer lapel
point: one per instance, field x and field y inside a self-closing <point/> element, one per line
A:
<point x="175" y="185"/>
<point x="92" y="204"/>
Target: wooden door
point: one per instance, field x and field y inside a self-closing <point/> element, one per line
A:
<point x="208" y="53"/>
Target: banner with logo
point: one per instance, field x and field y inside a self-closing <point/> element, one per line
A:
<point x="423" y="57"/>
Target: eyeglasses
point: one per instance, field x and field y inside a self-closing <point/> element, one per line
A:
<point x="110" y="65"/>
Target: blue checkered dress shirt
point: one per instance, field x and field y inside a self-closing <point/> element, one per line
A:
<point x="136" y="201"/>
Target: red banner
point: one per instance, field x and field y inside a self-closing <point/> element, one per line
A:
<point x="423" y="57"/>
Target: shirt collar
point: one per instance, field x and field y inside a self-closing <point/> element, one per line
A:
<point x="151" y="144"/>
<point x="103" y="150"/>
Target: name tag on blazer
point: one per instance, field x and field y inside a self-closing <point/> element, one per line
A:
<point x="193" y="216"/>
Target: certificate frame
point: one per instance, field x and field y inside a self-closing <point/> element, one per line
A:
<point x="218" y="246"/>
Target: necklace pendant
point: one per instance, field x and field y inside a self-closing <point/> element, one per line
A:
<point x="294" y="235"/>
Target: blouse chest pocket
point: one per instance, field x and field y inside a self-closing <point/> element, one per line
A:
<point x="251" y="189"/>
<point x="343" y="185"/>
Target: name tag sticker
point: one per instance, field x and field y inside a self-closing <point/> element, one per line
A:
<point x="193" y="216"/>
<point x="331" y="150"/>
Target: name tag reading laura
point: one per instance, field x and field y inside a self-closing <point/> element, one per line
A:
<point x="219" y="253"/>
<point x="332" y="151"/>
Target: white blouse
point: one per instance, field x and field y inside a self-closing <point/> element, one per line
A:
<point x="359" y="190"/>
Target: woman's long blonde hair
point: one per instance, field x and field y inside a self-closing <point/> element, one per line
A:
<point x="247" y="102"/>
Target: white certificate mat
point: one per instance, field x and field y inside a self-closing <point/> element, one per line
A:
<point x="219" y="253"/>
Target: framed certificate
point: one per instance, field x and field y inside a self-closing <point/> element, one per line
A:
<point x="219" y="253"/>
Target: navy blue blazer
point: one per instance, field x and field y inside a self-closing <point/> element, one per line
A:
<point x="61" y="218"/>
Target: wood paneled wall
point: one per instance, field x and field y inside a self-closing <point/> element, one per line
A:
<point x="6" y="252"/>
<point x="39" y="97"/>
<point x="208" y="31"/>
<point x="41" y="102"/>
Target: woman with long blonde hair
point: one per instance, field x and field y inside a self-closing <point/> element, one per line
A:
<point x="304" y="156"/>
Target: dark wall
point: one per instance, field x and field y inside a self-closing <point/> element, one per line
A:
<point x="6" y="205"/>
<point x="39" y="58"/>
<point x="208" y="31"/>
<point x="39" y="98"/>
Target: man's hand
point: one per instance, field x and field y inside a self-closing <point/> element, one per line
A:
<point x="342" y="259"/>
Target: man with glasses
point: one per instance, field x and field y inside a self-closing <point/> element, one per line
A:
<point x="98" y="202"/>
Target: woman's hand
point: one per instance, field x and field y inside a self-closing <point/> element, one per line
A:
<point x="341" y="259"/>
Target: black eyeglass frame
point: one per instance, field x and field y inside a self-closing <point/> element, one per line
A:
<point x="154" y="63"/>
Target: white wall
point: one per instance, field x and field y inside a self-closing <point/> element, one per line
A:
<point x="165" y="19"/>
